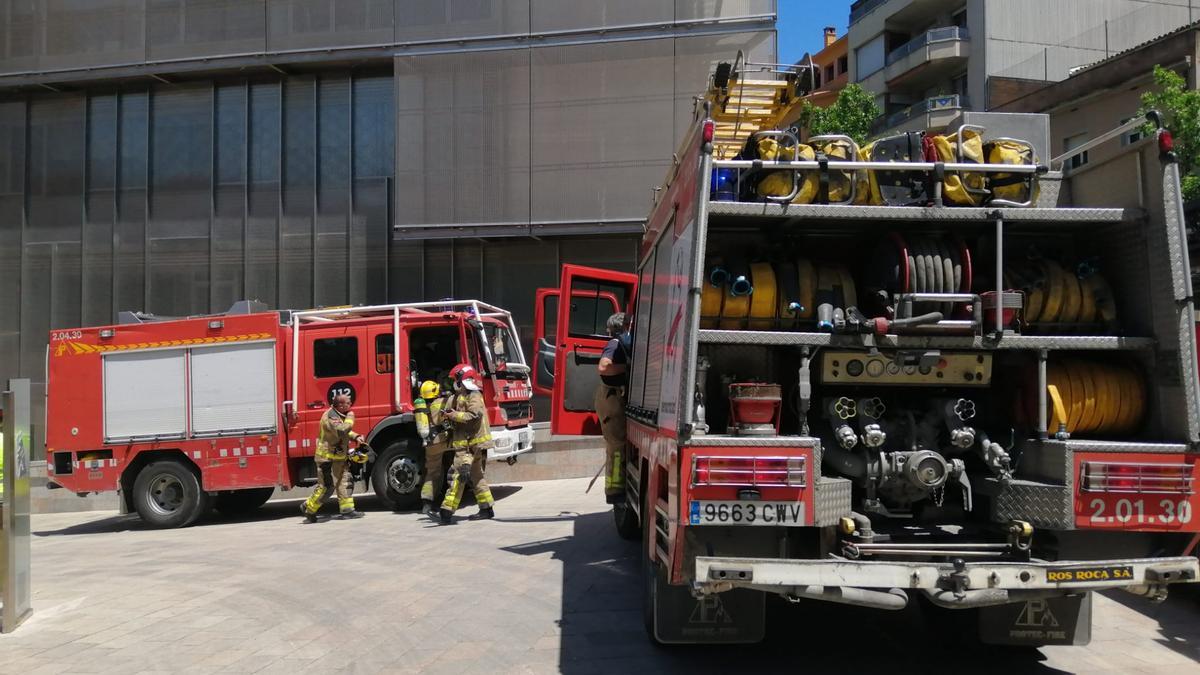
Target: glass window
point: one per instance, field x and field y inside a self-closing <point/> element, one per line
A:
<point x="1072" y="142"/>
<point x="434" y="351"/>
<point x="335" y="357"/>
<point x="385" y="353"/>
<point x="550" y="318"/>
<point x="869" y="58"/>
<point x="501" y="345"/>
<point x="1130" y="137"/>
<point x="591" y="304"/>
<point x="843" y="64"/>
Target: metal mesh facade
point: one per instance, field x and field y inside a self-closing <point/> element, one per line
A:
<point x="182" y="194"/>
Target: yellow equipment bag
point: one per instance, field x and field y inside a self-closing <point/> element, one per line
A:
<point x="867" y="192"/>
<point x="779" y="183"/>
<point x="840" y="182"/>
<point x="1018" y="188"/>
<point x="967" y="189"/>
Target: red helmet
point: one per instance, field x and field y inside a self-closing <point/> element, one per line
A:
<point x="464" y="375"/>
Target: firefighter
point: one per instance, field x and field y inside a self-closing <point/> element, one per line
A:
<point x="610" y="405"/>
<point x="470" y="438"/>
<point x="333" y="455"/>
<point x="430" y="414"/>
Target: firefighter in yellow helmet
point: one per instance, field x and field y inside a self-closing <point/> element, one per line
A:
<point x="430" y="413"/>
<point x="470" y="438"/>
<point x="333" y="456"/>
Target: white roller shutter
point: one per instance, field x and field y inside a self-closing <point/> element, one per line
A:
<point x="233" y="388"/>
<point x="145" y="394"/>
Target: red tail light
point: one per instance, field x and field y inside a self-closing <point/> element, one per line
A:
<point x="749" y="471"/>
<point x="710" y="129"/>
<point x="1166" y="142"/>
<point x="1136" y="478"/>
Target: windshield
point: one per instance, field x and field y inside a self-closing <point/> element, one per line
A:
<point x="502" y="347"/>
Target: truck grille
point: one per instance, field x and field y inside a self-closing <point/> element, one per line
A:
<point x="518" y="410"/>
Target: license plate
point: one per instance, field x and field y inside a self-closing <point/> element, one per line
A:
<point x="745" y="513"/>
<point x="1075" y="575"/>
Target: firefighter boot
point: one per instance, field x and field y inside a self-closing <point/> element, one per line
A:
<point x="426" y="507"/>
<point x="308" y="517"/>
<point x="350" y="515"/>
<point x="485" y="513"/>
<point x="444" y="517"/>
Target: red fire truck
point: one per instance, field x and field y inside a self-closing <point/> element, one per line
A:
<point x="183" y="414"/>
<point x="826" y="400"/>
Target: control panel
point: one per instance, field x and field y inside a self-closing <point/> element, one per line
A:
<point x="927" y="368"/>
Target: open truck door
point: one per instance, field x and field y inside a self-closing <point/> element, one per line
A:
<point x="575" y="331"/>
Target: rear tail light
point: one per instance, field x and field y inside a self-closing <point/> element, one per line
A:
<point x="749" y="471"/>
<point x="710" y="130"/>
<point x="1166" y="142"/>
<point x="1136" y="477"/>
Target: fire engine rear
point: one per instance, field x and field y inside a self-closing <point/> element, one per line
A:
<point x="930" y="369"/>
<point x="181" y="415"/>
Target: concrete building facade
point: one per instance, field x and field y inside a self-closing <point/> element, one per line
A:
<point x="927" y="60"/>
<point x="174" y="156"/>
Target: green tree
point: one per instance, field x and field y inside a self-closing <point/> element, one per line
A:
<point x="851" y="115"/>
<point x="1180" y="107"/>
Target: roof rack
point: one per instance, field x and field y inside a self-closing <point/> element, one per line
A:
<point x="239" y="307"/>
<point x="475" y="307"/>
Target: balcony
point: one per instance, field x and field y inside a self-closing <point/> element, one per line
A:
<point x="931" y="114"/>
<point x="862" y="8"/>
<point x="933" y="56"/>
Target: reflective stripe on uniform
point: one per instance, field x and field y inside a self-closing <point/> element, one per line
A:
<point x="346" y="504"/>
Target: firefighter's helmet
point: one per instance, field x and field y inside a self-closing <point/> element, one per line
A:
<point x="430" y="390"/>
<point x="465" y="376"/>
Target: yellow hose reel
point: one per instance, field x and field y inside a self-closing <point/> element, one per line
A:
<point x="1055" y="296"/>
<point x="772" y="296"/>
<point x="1094" y="398"/>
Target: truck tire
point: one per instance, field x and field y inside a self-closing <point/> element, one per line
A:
<point x="167" y="494"/>
<point x="397" y="474"/>
<point x="629" y="527"/>
<point x="241" y="502"/>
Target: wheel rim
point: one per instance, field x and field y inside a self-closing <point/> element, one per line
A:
<point x="403" y="475"/>
<point x="166" y="495"/>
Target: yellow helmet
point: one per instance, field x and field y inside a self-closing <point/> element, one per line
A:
<point x="430" y="390"/>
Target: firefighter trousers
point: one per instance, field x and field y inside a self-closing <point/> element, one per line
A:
<point x="433" y="471"/>
<point x="610" y="407"/>
<point x="468" y="465"/>
<point x="332" y="475"/>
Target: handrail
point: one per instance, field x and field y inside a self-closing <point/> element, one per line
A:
<point x="943" y="34"/>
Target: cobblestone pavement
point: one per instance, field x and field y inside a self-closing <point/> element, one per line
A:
<point x="546" y="587"/>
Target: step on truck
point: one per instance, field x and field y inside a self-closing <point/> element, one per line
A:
<point x="180" y="415"/>
<point x="932" y="369"/>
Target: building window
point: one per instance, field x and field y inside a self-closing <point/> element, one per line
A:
<point x="843" y="64"/>
<point x="869" y="58"/>
<point x="959" y="18"/>
<point x="335" y="357"/>
<point x="829" y="73"/>
<point x="816" y="78"/>
<point x="1072" y="142"/>
<point x="1131" y="137"/>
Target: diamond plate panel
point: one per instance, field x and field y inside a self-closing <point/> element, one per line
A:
<point x="1050" y="342"/>
<point x="1040" y="504"/>
<point x="921" y="213"/>
<point x="832" y="500"/>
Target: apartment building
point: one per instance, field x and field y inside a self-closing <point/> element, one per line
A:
<point x="927" y="60"/>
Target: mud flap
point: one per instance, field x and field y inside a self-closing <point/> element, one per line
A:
<point x="733" y="617"/>
<point x="1056" y="621"/>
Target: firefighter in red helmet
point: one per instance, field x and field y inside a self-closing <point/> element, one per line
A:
<point x="470" y="439"/>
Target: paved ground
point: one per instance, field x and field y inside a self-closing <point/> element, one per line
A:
<point x="547" y="587"/>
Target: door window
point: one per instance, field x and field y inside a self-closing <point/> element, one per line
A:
<point x="592" y="302"/>
<point x="385" y="353"/>
<point x="335" y="357"/>
<point x="434" y="351"/>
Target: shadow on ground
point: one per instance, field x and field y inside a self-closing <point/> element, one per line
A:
<point x="1178" y="617"/>
<point x="281" y="507"/>
<point x="603" y="630"/>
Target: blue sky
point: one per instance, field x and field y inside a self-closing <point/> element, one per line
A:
<point x="802" y="23"/>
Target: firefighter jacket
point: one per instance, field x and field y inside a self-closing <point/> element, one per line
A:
<point x="437" y="414"/>
<point x="333" y="441"/>
<point x="468" y="415"/>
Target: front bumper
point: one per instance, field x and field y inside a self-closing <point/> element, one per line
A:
<point x="510" y="442"/>
<point x="717" y="574"/>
